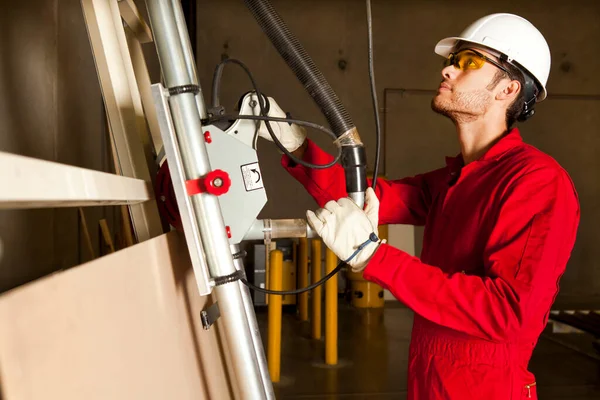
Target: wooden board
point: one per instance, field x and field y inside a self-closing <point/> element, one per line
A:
<point x="123" y="104"/>
<point x="34" y="183"/>
<point x="125" y="326"/>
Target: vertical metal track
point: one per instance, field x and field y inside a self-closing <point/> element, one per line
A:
<point x="187" y="109"/>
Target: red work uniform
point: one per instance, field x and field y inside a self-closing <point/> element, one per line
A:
<point x="498" y="234"/>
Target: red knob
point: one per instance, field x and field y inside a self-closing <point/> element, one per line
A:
<point x="217" y="182"/>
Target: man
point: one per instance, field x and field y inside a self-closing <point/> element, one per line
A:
<point x="500" y="221"/>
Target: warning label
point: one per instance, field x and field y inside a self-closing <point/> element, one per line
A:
<point x="252" y="177"/>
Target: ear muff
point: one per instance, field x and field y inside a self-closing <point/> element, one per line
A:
<point x="530" y="95"/>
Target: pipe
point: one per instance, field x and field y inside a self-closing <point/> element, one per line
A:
<point x="315" y="273"/>
<point x="331" y="310"/>
<point x="251" y="316"/>
<point x="353" y="152"/>
<point x="275" y="310"/>
<point x="265" y="229"/>
<point x="186" y="115"/>
<point x="188" y="55"/>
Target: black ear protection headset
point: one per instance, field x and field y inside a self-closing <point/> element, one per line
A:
<point x="530" y="91"/>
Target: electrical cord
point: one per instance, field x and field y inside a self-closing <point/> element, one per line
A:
<point x="263" y="104"/>
<point x="288" y="120"/>
<point x="276" y="119"/>
<point x="373" y="93"/>
<point x="297" y="291"/>
<point x="372" y="238"/>
<point x="312" y="125"/>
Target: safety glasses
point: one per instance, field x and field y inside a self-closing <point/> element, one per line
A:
<point x="470" y="59"/>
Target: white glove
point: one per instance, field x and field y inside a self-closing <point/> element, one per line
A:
<point x="344" y="227"/>
<point x="290" y="136"/>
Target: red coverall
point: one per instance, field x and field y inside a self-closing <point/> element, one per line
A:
<point x="498" y="234"/>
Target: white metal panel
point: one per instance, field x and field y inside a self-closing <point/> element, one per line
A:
<point x="33" y="183"/>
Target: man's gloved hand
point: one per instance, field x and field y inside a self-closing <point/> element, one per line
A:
<point x="344" y="227"/>
<point x="291" y="136"/>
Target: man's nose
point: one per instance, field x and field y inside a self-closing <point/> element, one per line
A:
<point x="449" y="72"/>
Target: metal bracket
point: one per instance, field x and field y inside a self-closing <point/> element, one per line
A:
<point x="210" y="316"/>
<point x="178" y="177"/>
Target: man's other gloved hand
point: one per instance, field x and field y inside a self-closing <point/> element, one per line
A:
<point x="291" y="136"/>
<point x="344" y="227"/>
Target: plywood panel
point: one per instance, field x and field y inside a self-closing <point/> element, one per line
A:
<point x="125" y="326"/>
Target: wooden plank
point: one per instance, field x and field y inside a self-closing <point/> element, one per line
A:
<point x="145" y="89"/>
<point x="135" y="21"/>
<point x="113" y="64"/>
<point x="124" y="326"/>
<point x="126" y="226"/>
<point x="106" y="235"/>
<point x="33" y="183"/>
<point x="86" y="234"/>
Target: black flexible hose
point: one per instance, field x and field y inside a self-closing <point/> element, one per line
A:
<point x="303" y="66"/>
<point x="353" y="156"/>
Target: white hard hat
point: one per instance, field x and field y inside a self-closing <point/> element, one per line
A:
<point x="513" y="36"/>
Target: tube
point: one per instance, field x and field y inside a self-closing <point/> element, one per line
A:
<point x="251" y="316"/>
<point x="263" y="229"/>
<point x="288" y="46"/>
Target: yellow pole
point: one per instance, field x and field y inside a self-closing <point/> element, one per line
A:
<point x="331" y="310"/>
<point x="303" y="278"/>
<point x="315" y="262"/>
<point x="275" y="306"/>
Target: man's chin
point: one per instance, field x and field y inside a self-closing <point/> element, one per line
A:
<point x="438" y="106"/>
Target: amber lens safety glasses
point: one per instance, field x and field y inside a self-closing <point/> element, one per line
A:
<point x="470" y="59"/>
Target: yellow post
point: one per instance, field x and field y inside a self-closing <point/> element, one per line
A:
<point x="315" y="263"/>
<point x="303" y="278"/>
<point x="331" y="310"/>
<point x="274" y="338"/>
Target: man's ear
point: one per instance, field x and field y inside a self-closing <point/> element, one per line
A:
<point x="510" y="91"/>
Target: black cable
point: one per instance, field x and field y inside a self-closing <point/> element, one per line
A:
<point x="261" y="102"/>
<point x="275" y="119"/>
<point x="288" y="120"/>
<point x="373" y="93"/>
<point x="297" y="291"/>
<point x="372" y="239"/>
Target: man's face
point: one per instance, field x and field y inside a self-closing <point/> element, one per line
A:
<point x="465" y="95"/>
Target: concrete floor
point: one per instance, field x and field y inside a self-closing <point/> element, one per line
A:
<point x="373" y="353"/>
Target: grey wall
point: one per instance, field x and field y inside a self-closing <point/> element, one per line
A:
<point x="406" y="67"/>
<point x="50" y="108"/>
